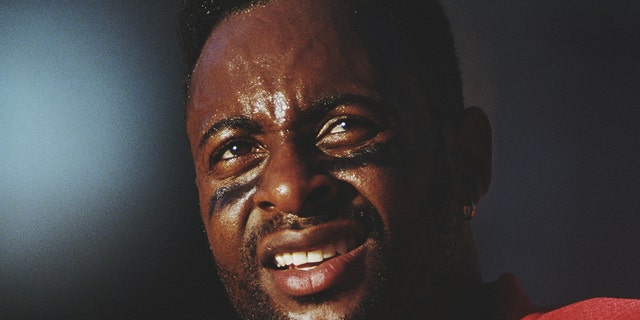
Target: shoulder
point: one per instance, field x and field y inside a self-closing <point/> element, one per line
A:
<point x="508" y="301"/>
<point x="595" y="308"/>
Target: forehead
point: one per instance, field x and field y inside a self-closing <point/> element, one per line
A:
<point x="283" y="53"/>
<point x="283" y="35"/>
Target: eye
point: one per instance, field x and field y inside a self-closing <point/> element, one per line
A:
<point x="344" y="133"/>
<point x="235" y="156"/>
<point x="341" y="126"/>
<point x="236" y="149"/>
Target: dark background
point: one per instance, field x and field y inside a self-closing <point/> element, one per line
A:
<point x="98" y="210"/>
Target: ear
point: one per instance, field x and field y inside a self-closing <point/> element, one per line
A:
<point x="473" y="149"/>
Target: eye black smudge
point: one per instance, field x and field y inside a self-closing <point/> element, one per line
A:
<point x="225" y="196"/>
<point x="379" y="154"/>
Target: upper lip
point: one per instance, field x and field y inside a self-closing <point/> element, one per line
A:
<point x="307" y="239"/>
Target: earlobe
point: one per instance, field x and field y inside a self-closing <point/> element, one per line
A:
<point x="474" y="144"/>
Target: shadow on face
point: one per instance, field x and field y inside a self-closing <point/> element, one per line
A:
<point x="324" y="187"/>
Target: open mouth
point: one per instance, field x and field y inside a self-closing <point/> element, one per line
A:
<point x="314" y="259"/>
<point x="308" y="260"/>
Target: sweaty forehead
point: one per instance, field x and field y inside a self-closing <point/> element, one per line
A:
<point x="284" y="51"/>
<point x="285" y="33"/>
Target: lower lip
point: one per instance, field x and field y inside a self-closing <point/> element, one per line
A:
<point x="325" y="276"/>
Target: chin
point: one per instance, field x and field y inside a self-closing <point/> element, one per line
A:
<point x="360" y="298"/>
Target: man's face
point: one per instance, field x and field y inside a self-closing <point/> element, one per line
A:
<point x="314" y="191"/>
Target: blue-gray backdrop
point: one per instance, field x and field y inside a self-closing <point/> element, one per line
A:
<point x="98" y="211"/>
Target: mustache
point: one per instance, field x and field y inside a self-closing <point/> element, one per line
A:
<point x="288" y="221"/>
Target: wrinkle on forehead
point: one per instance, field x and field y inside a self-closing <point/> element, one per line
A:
<point x="274" y="64"/>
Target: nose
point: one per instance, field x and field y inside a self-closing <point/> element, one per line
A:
<point x="292" y="183"/>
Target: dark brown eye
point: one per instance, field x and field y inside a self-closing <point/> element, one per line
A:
<point x="235" y="156"/>
<point x="347" y="132"/>
<point x="341" y="126"/>
<point x="236" y="149"/>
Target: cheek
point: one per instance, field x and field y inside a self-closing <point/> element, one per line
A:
<point x="397" y="192"/>
<point x="377" y="185"/>
<point x="225" y="243"/>
<point x="224" y="226"/>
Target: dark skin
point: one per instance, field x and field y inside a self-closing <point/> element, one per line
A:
<point x="301" y="142"/>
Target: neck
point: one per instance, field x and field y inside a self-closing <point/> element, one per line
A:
<point x="454" y="293"/>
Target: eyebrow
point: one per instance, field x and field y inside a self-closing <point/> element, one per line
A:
<point x="241" y="122"/>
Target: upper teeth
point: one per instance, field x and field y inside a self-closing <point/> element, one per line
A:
<point x="301" y="257"/>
